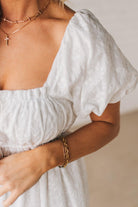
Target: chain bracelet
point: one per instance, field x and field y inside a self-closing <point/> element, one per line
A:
<point x="66" y="152"/>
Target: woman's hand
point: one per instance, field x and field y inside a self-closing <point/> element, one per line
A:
<point x="19" y="172"/>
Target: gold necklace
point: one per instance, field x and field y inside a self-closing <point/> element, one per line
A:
<point x="27" y="18"/>
<point x="30" y="20"/>
<point x="16" y="21"/>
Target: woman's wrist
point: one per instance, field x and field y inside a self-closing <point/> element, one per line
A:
<point x="81" y="142"/>
<point x="50" y="155"/>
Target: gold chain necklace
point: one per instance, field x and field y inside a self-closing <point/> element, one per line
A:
<point x="40" y="11"/>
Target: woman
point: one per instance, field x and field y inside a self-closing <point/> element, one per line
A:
<point x="60" y="65"/>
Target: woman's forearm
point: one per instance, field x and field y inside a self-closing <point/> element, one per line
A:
<point x="83" y="141"/>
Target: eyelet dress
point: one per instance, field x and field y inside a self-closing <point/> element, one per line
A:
<point x="88" y="72"/>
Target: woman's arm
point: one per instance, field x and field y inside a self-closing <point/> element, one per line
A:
<point x="83" y="141"/>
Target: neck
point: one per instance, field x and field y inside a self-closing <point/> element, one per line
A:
<point x="19" y="9"/>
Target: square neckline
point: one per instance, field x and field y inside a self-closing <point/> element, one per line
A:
<point x="53" y="64"/>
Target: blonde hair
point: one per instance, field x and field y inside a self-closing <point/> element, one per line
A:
<point x="61" y="2"/>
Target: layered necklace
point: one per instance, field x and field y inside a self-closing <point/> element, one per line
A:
<point x="27" y="19"/>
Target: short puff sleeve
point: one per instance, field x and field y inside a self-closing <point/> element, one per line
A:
<point x="108" y="74"/>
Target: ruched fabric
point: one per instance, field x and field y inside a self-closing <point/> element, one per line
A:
<point x="88" y="72"/>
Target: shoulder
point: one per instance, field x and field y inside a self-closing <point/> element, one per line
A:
<point x="82" y="23"/>
<point x="88" y="22"/>
<point x="56" y="21"/>
<point x="83" y="19"/>
<point x="87" y="31"/>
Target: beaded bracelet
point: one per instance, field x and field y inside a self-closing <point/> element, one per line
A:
<point x="66" y="152"/>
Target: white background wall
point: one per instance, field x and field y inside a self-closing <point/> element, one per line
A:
<point x="120" y="18"/>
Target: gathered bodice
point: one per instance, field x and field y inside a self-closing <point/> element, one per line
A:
<point x="32" y="117"/>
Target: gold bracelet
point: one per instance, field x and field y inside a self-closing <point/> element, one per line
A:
<point x="66" y="152"/>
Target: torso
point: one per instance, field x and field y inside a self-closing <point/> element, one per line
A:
<point x="27" y="61"/>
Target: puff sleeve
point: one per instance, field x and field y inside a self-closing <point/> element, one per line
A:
<point x="108" y="74"/>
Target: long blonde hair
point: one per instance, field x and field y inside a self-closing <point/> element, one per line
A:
<point x="60" y="3"/>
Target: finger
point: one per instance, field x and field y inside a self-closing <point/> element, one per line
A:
<point x="11" y="199"/>
<point x="3" y="191"/>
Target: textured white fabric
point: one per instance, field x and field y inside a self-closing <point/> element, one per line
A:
<point x="88" y="72"/>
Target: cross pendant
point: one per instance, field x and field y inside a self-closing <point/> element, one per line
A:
<point x="7" y="39"/>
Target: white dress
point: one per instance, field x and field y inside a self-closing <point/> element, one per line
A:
<point x="88" y="72"/>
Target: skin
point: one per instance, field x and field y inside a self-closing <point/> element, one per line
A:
<point x="32" y="164"/>
<point x="37" y="41"/>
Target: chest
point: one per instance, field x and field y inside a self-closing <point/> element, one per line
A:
<point x="28" y="59"/>
<point x="26" y="67"/>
